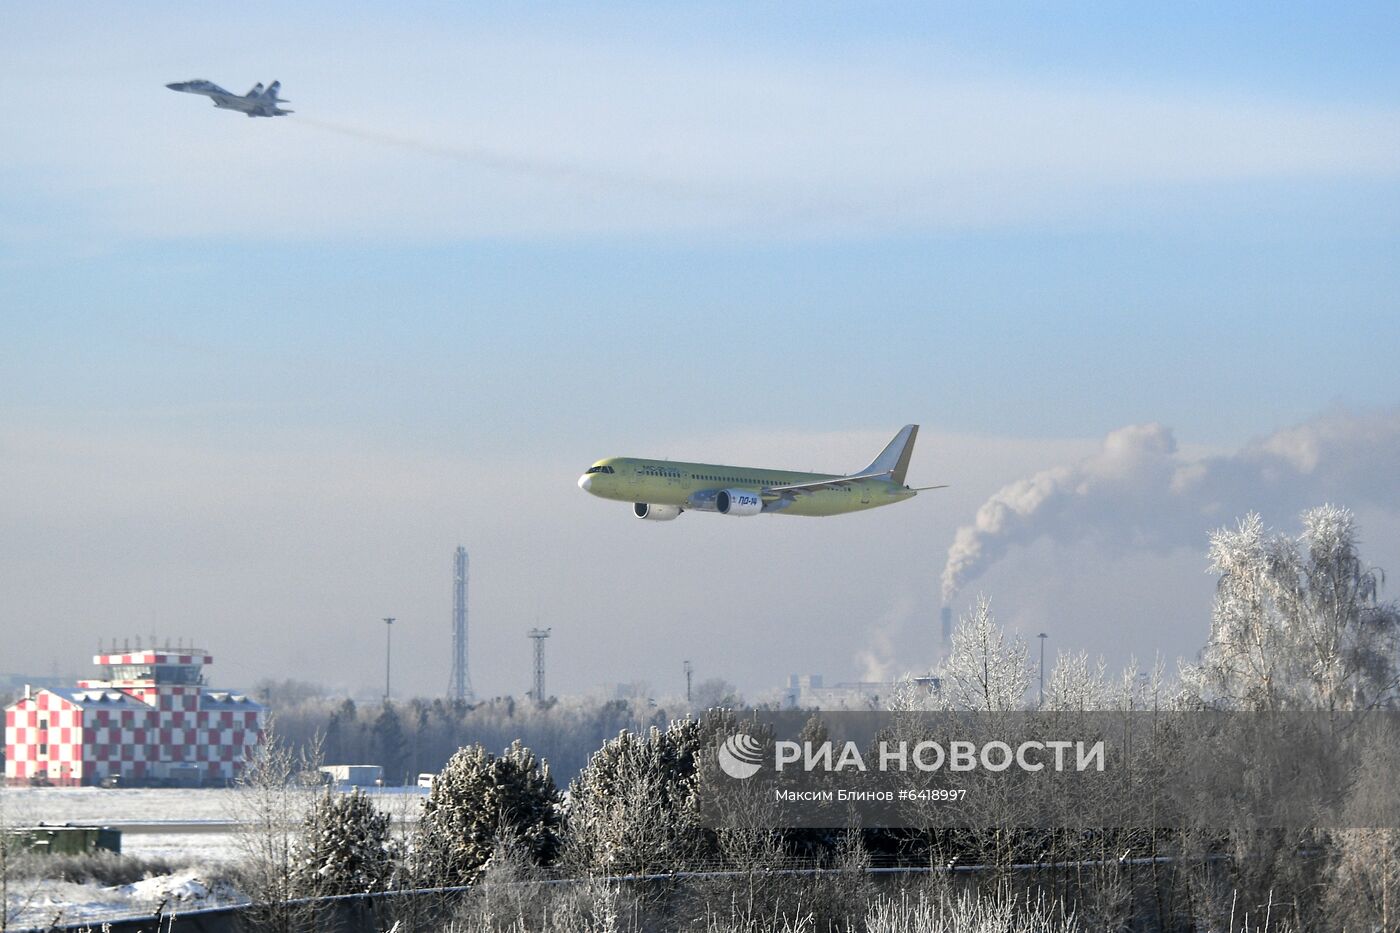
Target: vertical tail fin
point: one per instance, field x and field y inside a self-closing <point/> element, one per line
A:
<point x="255" y="91"/>
<point x="894" y="459"/>
<point x="273" y="88"/>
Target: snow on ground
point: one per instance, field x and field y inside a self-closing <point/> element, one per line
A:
<point x="55" y="804"/>
<point x="186" y="890"/>
<point x="184" y="848"/>
<point x="184" y="808"/>
<point x="61" y="902"/>
<point x="95" y="804"/>
<point x="184" y="825"/>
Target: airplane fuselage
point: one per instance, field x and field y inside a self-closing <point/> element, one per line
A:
<point x="693" y="486"/>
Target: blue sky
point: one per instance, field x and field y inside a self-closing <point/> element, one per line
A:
<point x="524" y="238"/>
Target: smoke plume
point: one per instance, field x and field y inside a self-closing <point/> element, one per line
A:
<point x="1138" y="492"/>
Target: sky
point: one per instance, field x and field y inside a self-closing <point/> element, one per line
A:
<point x="1133" y="269"/>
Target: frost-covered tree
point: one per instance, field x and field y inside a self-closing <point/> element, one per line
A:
<point x="986" y="670"/>
<point x="1365" y="859"/>
<point x="1297" y="622"/>
<point x="266" y="803"/>
<point x="633" y="808"/>
<point x="344" y="847"/>
<point x="10" y="907"/>
<point x="1077" y="684"/>
<point x="566" y="732"/>
<point x="476" y="800"/>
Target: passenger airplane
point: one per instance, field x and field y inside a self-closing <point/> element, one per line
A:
<point x="256" y="103"/>
<point x="661" y="490"/>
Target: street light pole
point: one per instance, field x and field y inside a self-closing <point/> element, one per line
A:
<point x="1042" y="636"/>
<point x="388" y="647"/>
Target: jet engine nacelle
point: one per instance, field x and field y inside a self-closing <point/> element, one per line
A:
<point x="738" y="502"/>
<point x="655" y="513"/>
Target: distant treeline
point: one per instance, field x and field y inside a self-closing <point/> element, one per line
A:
<point x="416" y="736"/>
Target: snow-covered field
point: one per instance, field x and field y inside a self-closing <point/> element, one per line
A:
<point x="193" y="828"/>
<point x="200" y="821"/>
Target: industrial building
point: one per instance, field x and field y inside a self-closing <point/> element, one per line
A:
<point x="151" y="719"/>
<point x="807" y="691"/>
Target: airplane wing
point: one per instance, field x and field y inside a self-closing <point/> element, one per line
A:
<point x="228" y="101"/>
<point x="835" y="481"/>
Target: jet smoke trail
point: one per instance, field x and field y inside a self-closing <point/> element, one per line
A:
<point x="519" y="165"/>
<point x="754" y="203"/>
<point x="1139" y="493"/>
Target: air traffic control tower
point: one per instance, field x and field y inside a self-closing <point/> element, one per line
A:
<point x="151" y="719"/>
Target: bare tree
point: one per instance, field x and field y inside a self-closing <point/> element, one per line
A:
<point x="1297" y="623"/>
<point x="1077" y="684"/>
<point x="267" y="802"/>
<point x="4" y="864"/>
<point x="986" y="670"/>
<point x="17" y="892"/>
<point x="716" y="693"/>
<point x="5" y="858"/>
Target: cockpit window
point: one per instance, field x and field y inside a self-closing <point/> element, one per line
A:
<point x="600" y="469"/>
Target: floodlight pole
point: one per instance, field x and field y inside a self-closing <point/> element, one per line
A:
<point x="388" y="647"/>
<point x="1042" y="636"/>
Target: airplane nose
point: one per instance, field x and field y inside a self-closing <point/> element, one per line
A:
<point x="585" y="482"/>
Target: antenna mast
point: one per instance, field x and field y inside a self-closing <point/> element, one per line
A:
<point x="461" y="686"/>
<point x="539" y="635"/>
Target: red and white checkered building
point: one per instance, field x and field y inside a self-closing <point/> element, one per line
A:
<point x="152" y="718"/>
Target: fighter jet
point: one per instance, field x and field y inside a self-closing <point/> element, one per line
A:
<point x="256" y="103"/>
